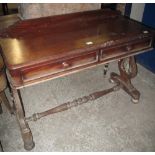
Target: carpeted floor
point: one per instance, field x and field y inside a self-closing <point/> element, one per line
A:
<point x="110" y="123"/>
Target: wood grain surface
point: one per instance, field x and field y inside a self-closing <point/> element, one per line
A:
<point x="56" y="40"/>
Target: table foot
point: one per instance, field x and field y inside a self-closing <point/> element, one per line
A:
<point x="29" y="145"/>
<point x="135" y="101"/>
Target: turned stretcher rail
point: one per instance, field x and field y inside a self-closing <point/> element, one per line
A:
<point x="74" y="103"/>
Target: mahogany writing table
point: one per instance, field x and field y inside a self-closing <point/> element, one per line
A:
<point x="41" y="49"/>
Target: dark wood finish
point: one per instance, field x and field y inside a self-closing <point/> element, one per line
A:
<point x="41" y="49"/>
<point x="121" y="81"/>
<point x="57" y="67"/>
<point x="47" y="41"/>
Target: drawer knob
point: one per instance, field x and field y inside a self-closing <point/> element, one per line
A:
<point x="65" y="64"/>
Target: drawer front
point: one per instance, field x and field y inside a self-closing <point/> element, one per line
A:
<point x="125" y="49"/>
<point x="54" y="68"/>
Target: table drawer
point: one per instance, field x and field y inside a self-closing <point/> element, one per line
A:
<point x="125" y="49"/>
<point x="57" y="67"/>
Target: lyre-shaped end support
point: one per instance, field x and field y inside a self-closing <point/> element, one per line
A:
<point x="128" y="70"/>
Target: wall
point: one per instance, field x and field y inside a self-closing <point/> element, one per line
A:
<point x="137" y="11"/>
<point x="121" y="7"/>
<point x="31" y="10"/>
<point x="148" y="59"/>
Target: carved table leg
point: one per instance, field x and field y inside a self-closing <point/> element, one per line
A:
<point x="128" y="70"/>
<point x="24" y="127"/>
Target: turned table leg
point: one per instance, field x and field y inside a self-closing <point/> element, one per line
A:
<point x="24" y="127"/>
<point x="128" y="70"/>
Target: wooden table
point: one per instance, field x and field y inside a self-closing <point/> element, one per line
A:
<point x="42" y="49"/>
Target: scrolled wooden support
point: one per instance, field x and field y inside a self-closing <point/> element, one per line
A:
<point x="71" y="104"/>
<point x="126" y="74"/>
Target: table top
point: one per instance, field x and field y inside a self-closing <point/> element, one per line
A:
<point x="51" y="38"/>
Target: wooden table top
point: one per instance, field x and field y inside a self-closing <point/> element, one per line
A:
<point x="51" y="38"/>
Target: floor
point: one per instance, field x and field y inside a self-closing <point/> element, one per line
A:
<point x="110" y="123"/>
